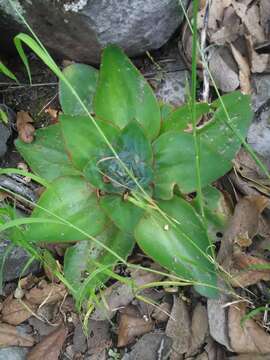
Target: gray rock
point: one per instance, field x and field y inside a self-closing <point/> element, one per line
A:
<point x="15" y="261"/>
<point x="259" y="131"/>
<point x="13" y="353"/>
<point x="172" y="88"/>
<point x="150" y="347"/>
<point x="79" y="29"/>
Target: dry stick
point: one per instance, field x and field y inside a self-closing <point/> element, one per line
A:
<point x="206" y="84"/>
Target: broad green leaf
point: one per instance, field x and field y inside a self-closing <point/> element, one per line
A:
<point x="181" y="246"/>
<point x="175" y="156"/>
<point x="217" y="211"/>
<point x="123" y="213"/>
<point x="46" y="154"/>
<point x="124" y="95"/>
<point x="83" y="78"/>
<point x="82" y="258"/>
<point x="165" y="112"/>
<point x="135" y="151"/>
<point x="83" y="140"/>
<point x="181" y="118"/>
<point x="72" y="199"/>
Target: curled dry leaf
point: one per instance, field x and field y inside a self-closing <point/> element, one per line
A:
<point x="50" y="347"/>
<point x="247" y="277"/>
<point x="46" y="293"/>
<point x="243" y="225"/>
<point x="9" y="336"/>
<point x="131" y="325"/>
<point x="244" y="70"/>
<point x="248" y="337"/>
<point x="25" y="129"/>
<point x="16" y="311"/>
<point x="53" y="114"/>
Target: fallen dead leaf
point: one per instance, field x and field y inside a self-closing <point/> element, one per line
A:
<point x="247" y="277"/>
<point x="50" y="347"/>
<point x="199" y="329"/>
<point x="162" y="312"/>
<point x="9" y="336"/>
<point x="119" y="295"/>
<point x="250" y="16"/>
<point x="244" y="70"/>
<point x="16" y="311"/>
<point x="46" y="293"/>
<point x="25" y="129"/>
<point x="248" y="337"/>
<point x="99" y="336"/>
<point x="259" y="62"/>
<point x="53" y="114"/>
<point x="243" y="225"/>
<point x="131" y="325"/>
<point x="218" y="316"/>
<point x="179" y="328"/>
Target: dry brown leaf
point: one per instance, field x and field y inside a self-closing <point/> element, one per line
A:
<point x="15" y="311"/>
<point x="46" y="293"/>
<point x="248" y="337"/>
<point x="243" y="224"/>
<point x="161" y="313"/>
<point x="25" y="129"/>
<point x="131" y="325"/>
<point x="119" y="295"/>
<point x="199" y="329"/>
<point x="50" y="347"/>
<point x="244" y="70"/>
<point x="3" y="195"/>
<point x="259" y="62"/>
<point x="242" y="261"/>
<point x="9" y="336"/>
<point x="250" y="16"/>
<point x="265" y="15"/>
<point x="53" y="114"/>
<point x="179" y="328"/>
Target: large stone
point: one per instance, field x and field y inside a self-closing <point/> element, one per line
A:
<point x="79" y="29"/>
<point x="259" y="131"/>
<point x="15" y="261"/>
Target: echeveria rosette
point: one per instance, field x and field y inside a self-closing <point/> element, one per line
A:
<point x="91" y="185"/>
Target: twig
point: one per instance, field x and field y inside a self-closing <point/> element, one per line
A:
<point x="206" y="85"/>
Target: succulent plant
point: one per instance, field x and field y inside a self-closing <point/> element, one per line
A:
<point x="122" y="176"/>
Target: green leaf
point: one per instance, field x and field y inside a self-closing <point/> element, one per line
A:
<point x="83" y="78"/>
<point x="181" y="118"/>
<point x="135" y="151"/>
<point x="5" y="70"/>
<point x="82" y="258"/>
<point x="175" y="156"/>
<point x="182" y="246"/>
<point x="124" y="95"/>
<point x="123" y="213"/>
<point x="217" y="210"/>
<point x="46" y="155"/>
<point x="72" y="199"/>
<point x="83" y="140"/>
